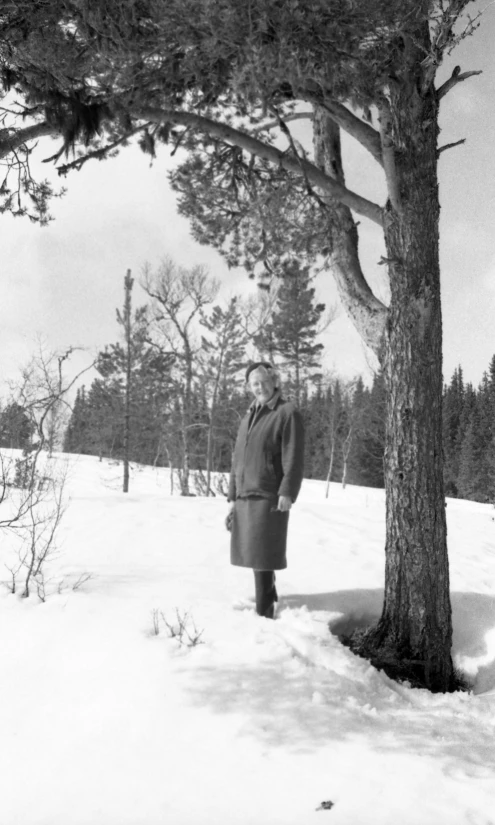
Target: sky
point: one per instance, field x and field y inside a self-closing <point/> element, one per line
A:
<point x="63" y="283"/>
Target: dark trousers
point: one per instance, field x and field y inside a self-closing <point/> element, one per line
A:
<point x="266" y="593"/>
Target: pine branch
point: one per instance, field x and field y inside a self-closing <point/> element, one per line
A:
<point x="365" y="134"/>
<point x="14" y="139"/>
<point x="450" y="145"/>
<point x="286" y="131"/>
<point x="444" y="37"/>
<point x="97" y="154"/>
<point x="256" y="147"/>
<point x="286" y="118"/>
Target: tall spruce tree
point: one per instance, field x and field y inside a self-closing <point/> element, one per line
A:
<point x="106" y="410"/>
<point x="222" y="359"/>
<point x="358" y="406"/>
<point x="315" y="411"/>
<point x="483" y="423"/>
<point x="75" y="438"/>
<point x="337" y="431"/>
<point x="135" y="387"/>
<point x="468" y="468"/>
<point x="453" y="404"/>
<point x="469" y="437"/>
<point x="490" y="449"/>
<point x="293" y="329"/>
<point x="16" y="427"/>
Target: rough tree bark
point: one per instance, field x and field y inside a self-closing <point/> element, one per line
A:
<point x="416" y="620"/>
<point x="398" y="70"/>
<point x="415" y="626"/>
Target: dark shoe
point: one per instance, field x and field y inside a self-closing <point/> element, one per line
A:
<point x="269" y="612"/>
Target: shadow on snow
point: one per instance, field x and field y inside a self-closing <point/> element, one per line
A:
<point x="473" y="620"/>
<point x="294" y="702"/>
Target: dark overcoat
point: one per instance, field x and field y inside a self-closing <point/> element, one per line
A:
<point x="268" y="462"/>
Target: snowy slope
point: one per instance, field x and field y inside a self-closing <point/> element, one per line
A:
<point x="103" y="722"/>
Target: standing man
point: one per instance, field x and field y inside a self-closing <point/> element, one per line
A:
<point x="266" y="476"/>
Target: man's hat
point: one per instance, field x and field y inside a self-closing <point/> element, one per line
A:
<point x="255" y="365"/>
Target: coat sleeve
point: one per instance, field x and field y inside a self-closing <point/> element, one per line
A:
<point x="292" y="454"/>
<point x="232" y="490"/>
<point x="232" y="494"/>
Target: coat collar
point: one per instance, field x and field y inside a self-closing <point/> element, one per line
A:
<point x="271" y="404"/>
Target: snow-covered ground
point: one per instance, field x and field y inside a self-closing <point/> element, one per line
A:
<point x="103" y="722"/>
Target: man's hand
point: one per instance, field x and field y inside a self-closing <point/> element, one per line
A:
<point x="284" y="503"/>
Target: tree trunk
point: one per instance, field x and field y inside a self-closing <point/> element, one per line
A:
<point x="366" y="311"/>
<point x="186" y="418"/>
<point x="298" y="381"/>
<point x="210" y="438"/>
<point x="415" y="626"/>
<point x="184" y="471"/>
<point x="209" y="453"/>
<point x="416" y="620"/>
<point x="127" y="409"/>
<point x="346" y="448"/>
<point x="330" y="467"/>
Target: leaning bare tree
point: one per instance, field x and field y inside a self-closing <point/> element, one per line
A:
<point x="225" y="80"/>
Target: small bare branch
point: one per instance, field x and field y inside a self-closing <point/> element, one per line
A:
<point x="299" y="154"/>
<point x="97" y="154"/>
<point x="155" y="620"/>
<point x="183" y="629"/>
<point x="286" y="118"/>
<point x="455" y="78"/>
<point x="15" y="138"/>
<point x="81" y="581"/>
<point x="450" y="146"/>
<point x="365" y="134"/>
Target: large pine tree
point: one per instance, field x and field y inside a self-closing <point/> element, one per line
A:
<point x="224" y="76"/>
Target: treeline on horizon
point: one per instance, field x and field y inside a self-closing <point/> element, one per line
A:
<point x="345" y="428"/>
<point x="172" y="393"/>
<point x="345" y="431"/>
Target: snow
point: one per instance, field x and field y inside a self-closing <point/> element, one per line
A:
<point x="103" y="722"/>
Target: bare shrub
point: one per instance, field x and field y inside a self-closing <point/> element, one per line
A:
<point x="222" y="484"/>
<point x="183" y="629"/>
<point x="32" y="483"/>
<point x="155" y="620"/>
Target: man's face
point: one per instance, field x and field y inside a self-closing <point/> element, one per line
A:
<point x="261" y="385"/>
